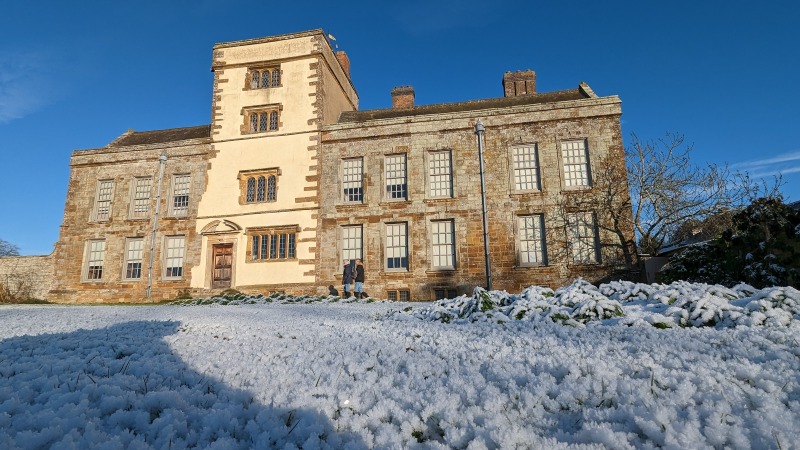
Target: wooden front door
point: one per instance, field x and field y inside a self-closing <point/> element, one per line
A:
<point x="223" y="266"/>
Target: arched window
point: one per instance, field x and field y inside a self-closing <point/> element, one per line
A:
<point x="276" y="77"/>
<point x="262" y="124"/>
<point x="253" y="123"/>
<point x="251" y="190"/>
<point x="254" y="80"/>
<point x="271" y="195"/>
<point x="273" y="120"/>
<point x="265" y="79"/>
<point x="260" y="192"/>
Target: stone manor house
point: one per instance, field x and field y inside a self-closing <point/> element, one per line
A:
<point x="290" y="179"/>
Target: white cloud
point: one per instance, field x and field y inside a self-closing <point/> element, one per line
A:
<point x="26" y="84"/>
<point x="784" y="163"/>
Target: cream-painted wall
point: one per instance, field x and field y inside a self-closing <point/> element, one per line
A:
<point x="266" y="272"/>
<point x="306" y="68"/>
<point x="268" y="48"/>
<point x="288" y="153"/>
<point x="295" y="96"/>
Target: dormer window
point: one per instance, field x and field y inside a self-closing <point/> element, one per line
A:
<point x="264" y="78"/>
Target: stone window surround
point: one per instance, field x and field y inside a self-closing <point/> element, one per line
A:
<point x="385" y="195"/>
<point x="171" y="210"/>
<point x="570" y="222"/>
<point x="453" y="245"/>
<point x="135" y="191"/>
<point x="100" y="187"/>
<point x="542" y="242"/>
<point x="398" y="294"/>
<point x="342" y="173"/>
<point x="340" y="247"/>
<point x="428" y="162"/>
<point x="385" y="247"/>
<point x="87" y="254"/>
<point x="341" y="238"/>
<point x="538" y="167"/>
<point x="260" y="69"/>
<point x="165" y="257"/>
<point x="561" y="168"/>
<point x="126" y="258"/>
<point x="255" y="173"/>
<point x="258" y="109"/>
<point x="271" y="231"/>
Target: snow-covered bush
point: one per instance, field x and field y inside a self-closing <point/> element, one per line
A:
<point x="625" y="291"/>
<point x="675" y="305"/>
<point x="574" y="305"/>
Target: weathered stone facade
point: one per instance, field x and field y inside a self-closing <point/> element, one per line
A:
<point x="540" y="120"/>
<point x="26" y="277"/>
<point x="265" y="205"/>
<point x="133" y="156"/>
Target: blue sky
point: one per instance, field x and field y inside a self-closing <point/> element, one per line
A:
<point x="76" y="75"/>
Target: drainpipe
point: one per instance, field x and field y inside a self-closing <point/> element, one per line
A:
<point x="162" y="161"/>
<point x="479" y="131"/>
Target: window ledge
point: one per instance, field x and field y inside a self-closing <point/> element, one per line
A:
<point x="390" y="272"/>
<point x="587" y="264"/>
<point x="441" y="271"/>
<point x="524" y="193"/>
<point x="386" y="202"/>
<point x="349" y="205"/>
<point x="439" y="199"/>
<point x="531" y="266"/>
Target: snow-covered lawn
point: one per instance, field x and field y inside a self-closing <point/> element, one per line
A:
<point x="334" y="375"/>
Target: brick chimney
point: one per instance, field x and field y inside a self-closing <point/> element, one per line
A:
<point x="519" y="83"/>
<point x="344" y="61"/>
<point x="403" y="97"/>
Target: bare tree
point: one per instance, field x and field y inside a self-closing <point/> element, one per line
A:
<point x="8" y="249"/>
<point x="667" y="189"/>
<point x="610" y="202"/>
<point x="751" y="190"/>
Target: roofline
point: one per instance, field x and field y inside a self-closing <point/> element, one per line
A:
<point x="261" y="40"/>
<point x="111" y="147"/>
<point x="128" y="148"/>
<point x="426" y="117"/>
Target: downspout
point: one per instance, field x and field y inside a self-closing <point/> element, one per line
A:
<point x="162" y="161"/>
<point x="479" y="130"/>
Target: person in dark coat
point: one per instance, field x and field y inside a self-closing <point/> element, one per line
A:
<point x="348" y="274"/>
<point x="359" y="290"/>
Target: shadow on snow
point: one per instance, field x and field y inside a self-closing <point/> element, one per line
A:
<point x="123" y="387"/>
